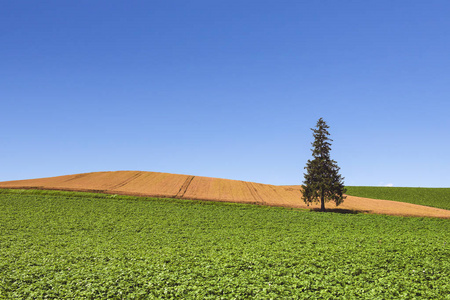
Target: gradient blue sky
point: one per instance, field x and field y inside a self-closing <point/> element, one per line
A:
<point x="226" y="89"/>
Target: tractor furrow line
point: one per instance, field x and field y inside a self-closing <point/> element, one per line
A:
<point x="77" y="177"/>
<point x="184" y="187"/>
<point x="254" y="193"/>
<point x="125" y="181"/>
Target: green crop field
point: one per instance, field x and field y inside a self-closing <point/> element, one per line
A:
<point x="93" y="246"/>
<point x="435" y="197"/>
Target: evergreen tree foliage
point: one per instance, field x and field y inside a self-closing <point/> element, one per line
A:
<point x="322" y="179"/>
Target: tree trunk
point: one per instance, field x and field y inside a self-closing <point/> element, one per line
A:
<point x="322" y="202"/>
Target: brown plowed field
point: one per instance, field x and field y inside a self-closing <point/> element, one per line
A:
<point x="167" y="185"/>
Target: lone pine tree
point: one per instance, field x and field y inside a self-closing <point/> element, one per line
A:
<point x="322" y="180"/>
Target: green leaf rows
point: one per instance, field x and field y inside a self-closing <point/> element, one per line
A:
<point x="435" y="197"/>
<point x="69" y="245"/>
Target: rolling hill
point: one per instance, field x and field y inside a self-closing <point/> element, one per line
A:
<point x="165" y="185"/>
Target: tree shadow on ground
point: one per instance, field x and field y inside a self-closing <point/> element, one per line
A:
<point x="341" y="210"/>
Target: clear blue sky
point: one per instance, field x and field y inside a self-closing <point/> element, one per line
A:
<point x="226" y="89"/>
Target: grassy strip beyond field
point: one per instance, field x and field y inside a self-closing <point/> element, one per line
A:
<point x="435" y="197"/>
<point x="94" y="246"/>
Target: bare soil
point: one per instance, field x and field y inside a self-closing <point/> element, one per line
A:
<point x="154" y="184"/>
